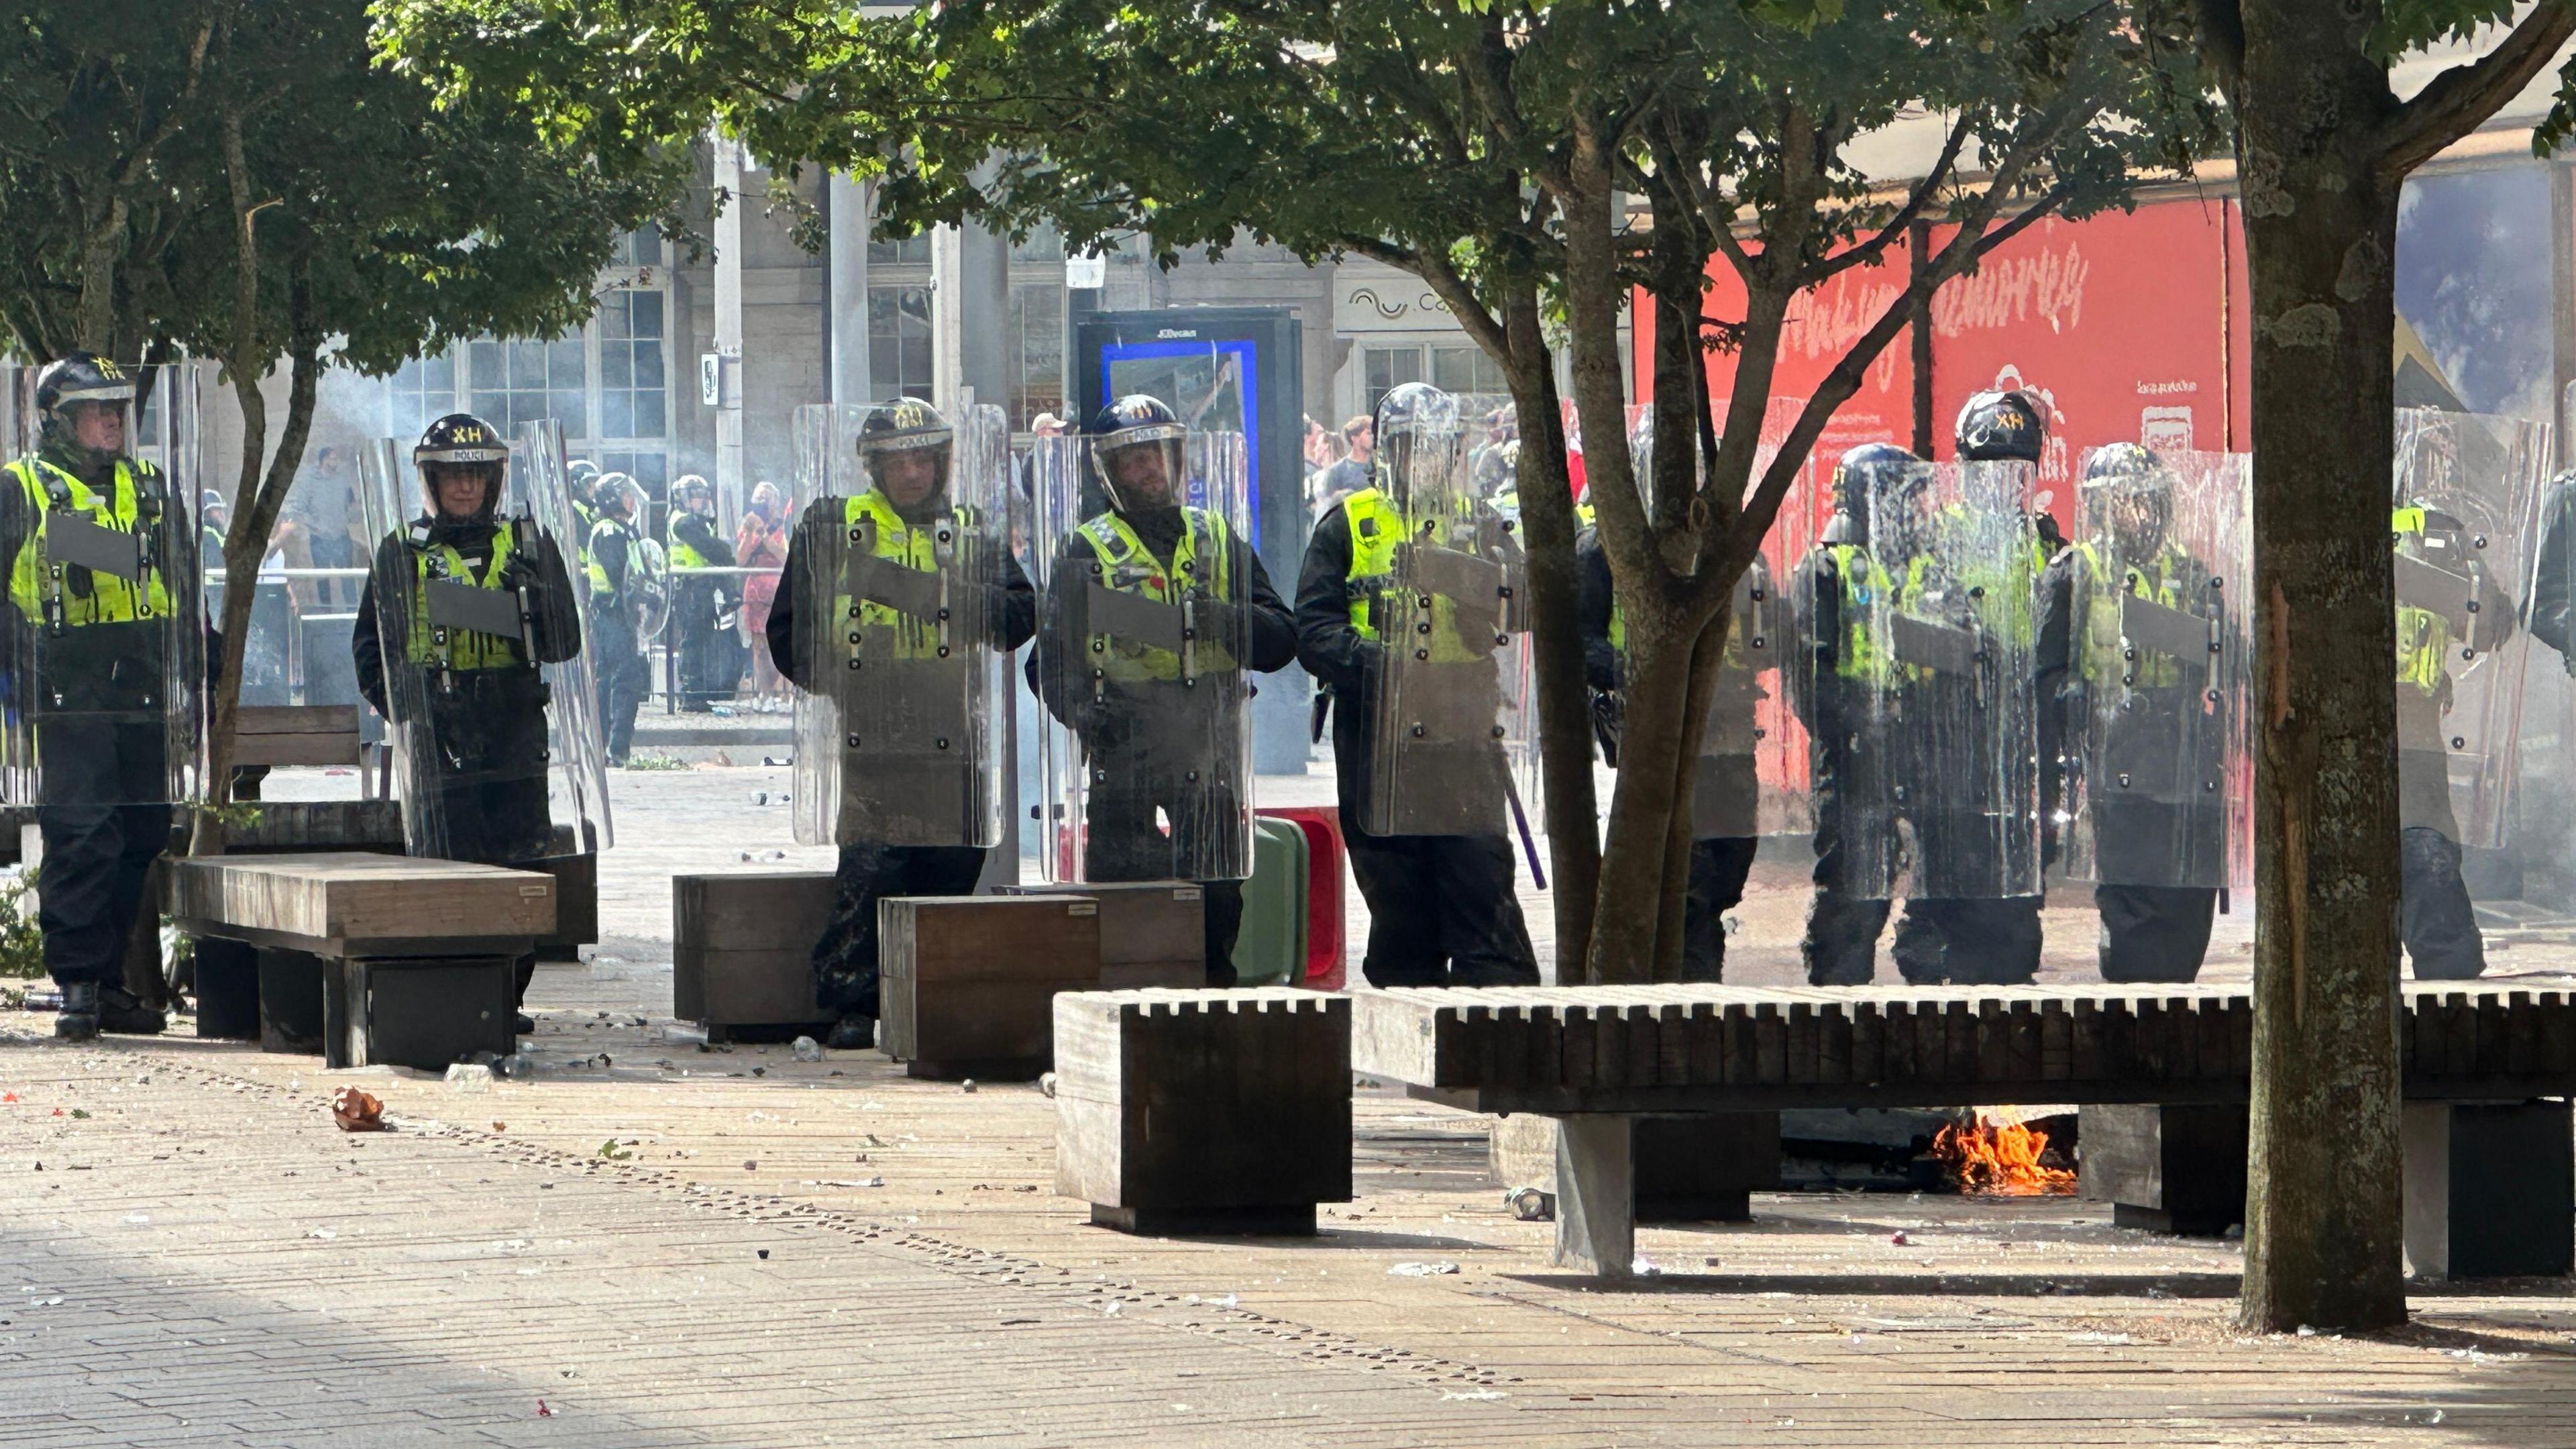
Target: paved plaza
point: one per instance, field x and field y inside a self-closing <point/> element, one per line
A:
<point x="657" y="1244"/>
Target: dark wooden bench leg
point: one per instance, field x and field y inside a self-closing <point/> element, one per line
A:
<point x="1596" y="1195"/>
<point x="290" y="1002"/>
<point x="2166" y="1169"/>
<point x="1706" y="1168"/>
<point x="2490" y="1189"/>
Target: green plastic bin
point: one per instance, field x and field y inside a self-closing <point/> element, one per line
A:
<point x="1270" y="950"/>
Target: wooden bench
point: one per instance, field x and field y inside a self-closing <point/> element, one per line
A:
<point x="373" y="958"/>
<point x="966" y="985"/>
<point x="297" y="734"/>
<point x="1597" y="1058"/>
<point x="1203" y="1111"/>
<point x="1152" y="932"/>
<point x="742" y="951"/>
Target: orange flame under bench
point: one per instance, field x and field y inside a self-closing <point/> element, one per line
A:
<point x="1999" y="1158"/>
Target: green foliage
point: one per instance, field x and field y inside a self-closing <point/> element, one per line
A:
<point x="384" y="222"/>
<point x="22" y="943"/>
<point x="655" y="762"/>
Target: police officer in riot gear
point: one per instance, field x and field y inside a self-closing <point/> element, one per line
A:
<point x="1726" y="808"/>
<point x="909" y="522"/>
<point x="2133" y="656"/>
<point x="1441" y="907"/>
<point x="1905" y="687"/>
<point x="1853" y="767"/>
<point x="105" y="622"/>
<point x="484" y="697"/>
<point x="627" y="607"/>
<point x="1161" y="729"/>
<point x="705" y="608"/>
<point x="2447" y="606"/>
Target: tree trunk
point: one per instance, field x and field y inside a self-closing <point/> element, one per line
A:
<point x="1556" y="635"/>
<point x="245" y="548"/>
<point x="2323" y="1205"/>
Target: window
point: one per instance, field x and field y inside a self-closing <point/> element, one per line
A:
<point x="631" y="393"/>
<point x="911" y="251"/>
<point x="521" y="382"/>
<point x="420" y="394"/>
<point x="642" y="248"/>
<point x="899" y="341"/>
<point x="1385" y="369"/>
<point x="608" y="383"/>
<point x="1037" y="351"/>
<point x="1466" y="370"/>
<point x="1043" y="247"/>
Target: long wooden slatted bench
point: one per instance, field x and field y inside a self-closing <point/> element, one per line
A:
<point x="1597" y="1057"/>
<point x="397" y="960"/>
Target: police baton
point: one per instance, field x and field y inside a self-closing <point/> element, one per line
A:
<point x="1520" y="818"/>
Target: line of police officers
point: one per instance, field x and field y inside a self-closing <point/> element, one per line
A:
<point x="1977" y="695"/>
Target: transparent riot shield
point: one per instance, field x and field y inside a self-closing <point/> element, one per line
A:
<point x="2159" y="672"/>
<point x="1147" y="747"/>
<point x="2466" y="529"/>
<point x="102" y="672"/>
<point x="1441" y="579"/>
<point x="1728" y="798"/>
<point x="483" y="671"/>
<point x="1948" y="644"/>
<point x="900" y="562"/>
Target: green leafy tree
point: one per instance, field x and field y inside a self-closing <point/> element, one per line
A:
<point x="1486" y="149"/>
<point x="2323" y="147"/>
<point x="268" y="196"/>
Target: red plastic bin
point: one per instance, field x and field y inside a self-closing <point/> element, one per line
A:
<point x="1325" y="945"/>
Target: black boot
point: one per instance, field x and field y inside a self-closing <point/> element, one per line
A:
<point x="852" y="1033"/>
<point x="120" y="1012"/>
<point x="78" y="1020"/>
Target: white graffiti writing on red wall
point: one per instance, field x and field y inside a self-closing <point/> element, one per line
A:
<point x="1827" y="321"/>
<point x="2043" y="286"/>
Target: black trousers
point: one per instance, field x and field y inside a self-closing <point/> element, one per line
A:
<point x="2154" y="933"/>
<point x="711" y="659"/>
<point x="1441" y="909"/>
<point x="1980" y="941"/>
<point x="2433" y="913"/>
<point x="1125" y="819"/>
<point x="1718" y="870"/>
<point x="103" y="817"/>
<point x="625" y="679"/>
<point x="845" y="956"/>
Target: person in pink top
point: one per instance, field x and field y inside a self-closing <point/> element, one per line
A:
<point x="761" y="543"/>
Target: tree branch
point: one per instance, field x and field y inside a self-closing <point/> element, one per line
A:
<point x="2461" y="98"/>
<point x="1924" y="190"/>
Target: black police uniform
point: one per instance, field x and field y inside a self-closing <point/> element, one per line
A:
<point x="2150" y="932"/>
<point x="619" y="657"/>
<point x="1868" y="771"/>
<point x="845" y="956"/>
<point x="1719" y="864"/>
<point x="711" y="650"/>
<point x="103" y="814"/>
<point x="487" y="725"/>
<point x="1441" y="908"/>
<point x="1144" y="740"/>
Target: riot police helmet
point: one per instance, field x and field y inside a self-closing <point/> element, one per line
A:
<point x="904" y="447"/>
<point x="1418" y="440"/>
<point x="461" y="450"/>
<point x="2003" y="426"/>
<point x="2129" y="494"/>
<point x="620" y="497"/>
<point x="694" y="494"/>
<point x="1876" y="481"/>
<point x="1136" y="453"/>
<point x="83" y="398"/>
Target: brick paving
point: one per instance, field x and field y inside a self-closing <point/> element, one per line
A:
<point x="230" y="1269"/>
